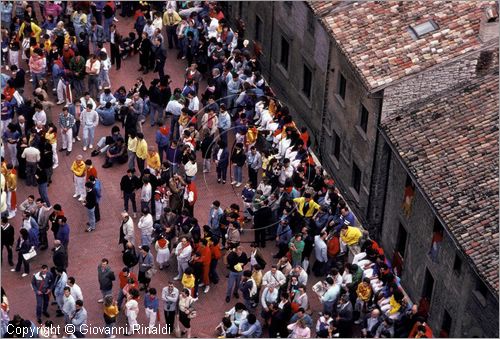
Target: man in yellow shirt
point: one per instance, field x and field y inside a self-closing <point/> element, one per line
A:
<point x="349" y="235"/>
<point x="141" y="151"/>
<point x="306" y="206"/>
<point x="79" y="170"/>
<point x="131" y="149"/>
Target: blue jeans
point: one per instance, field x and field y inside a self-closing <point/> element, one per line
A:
<point x="44" y="193"/>
<point x="238" y="174"/>
<point x="107" y="23"/>
<point x="153" y="109"/>
<point x="37" y="77"/>
<point x="104" y="78"/>
<point x="233" y="284"/>
<point x="88" y="135"/>
<point x="91" y="215"/>
<point x="145" y="239"/>
<point x="126" y="198"/>
<point x="174" y="127"/>
<point x="42" y="303"/>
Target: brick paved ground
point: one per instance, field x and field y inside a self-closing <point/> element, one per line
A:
<point x="87" y="249"/>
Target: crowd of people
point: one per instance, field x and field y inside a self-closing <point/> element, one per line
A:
<point x="235" y="124"/>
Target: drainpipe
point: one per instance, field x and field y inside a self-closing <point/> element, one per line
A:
<point x="324" y="112"/>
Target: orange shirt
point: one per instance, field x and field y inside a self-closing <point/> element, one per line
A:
<point x="91" y="171"/>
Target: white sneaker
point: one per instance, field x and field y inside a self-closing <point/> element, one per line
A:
<point x="24" y="275"/>
<point x="134" y="215"/>
<point x="90" y="146"/>
<point x="84" y="148"/>
<point x="82" y="198"/>
<point x="100" y="301"/>
<point x="55" y="166"/>
<point x="201" y="285"/>
<point x="78" y="138"/>
<point x="60" y="102"/>
<point x="238" y="184"/>
<point x="11" y="215"/>
<point x="207" y="288"/>
<point x="233" y="182"/>
<point x="54" y="90"/>
<point x="115" y="19"/>
<point x="175" y="278"/>
<point x="74" y="140"/>
<point x="75" y="195"/>
<point x="12" y="269"/>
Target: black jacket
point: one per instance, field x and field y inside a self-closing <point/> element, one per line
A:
<point x="90" y="199"/>
<point x="60" y="258"/>
<point x="238" y="158"/>
<point x="8" y="235"/>
<point x="129" y="185"/>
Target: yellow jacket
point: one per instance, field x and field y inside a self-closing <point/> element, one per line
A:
<point x="111" y="311"/>
<point x="142" y="149"/>
<point x="351" y="235"/>
<point x="78" y="169"/>
<point x="11" y="181"/>
<point x="173" y="19"/>
<point x="395" y="306"/>
<point x="51" y="137"/>
<point x="153" y="161"/>
<point x="188" y="281"/>
<point x="132" y="144"/>
<point x="313" y="206"/>
<point x="36" y="31"/>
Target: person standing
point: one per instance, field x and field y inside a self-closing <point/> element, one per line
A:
<point x="7" y="239"/>
<point x="92" y="67"/>
<point x="97" y="187"/>
<point x="145" y="224"/>
<point x="146" y="262"/>
<point x="78" y="168"/>
<point x="320" y="251"/>
<point x="128" y="184"/>
<point x="254" y="164"/>
<point x="43" y="182"/>
<point x="170" y="297"/>
<point x="90" y="120"/>
<point x="66" y="123"/>
<point x="185" y="303"/>
<point x="141" y="152"/>
<point x="110" y="311"/>
<point x="171" y="19"/>
<point x="41" y="283"/>
<point x="90" y="204"/>
<point x="59" y="256"/>
<point x="69" y="306"/>
<point x="151" y="304"/>
<point x="222" y="162"/>
<point x="236" y="260"/>
<point x="115" y="41"/>
<point x="79" y="318"/>
<point x="160" y="56"/>
<point x="183" y="252"/>
<point x="23" y="246"/>
<point x="132" y="310"/>
<point x="32" y="156"/>
<point x="105" y="276"/>
<point x="127" y="233"/>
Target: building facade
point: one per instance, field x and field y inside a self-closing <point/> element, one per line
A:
<point x="383" y="59"/>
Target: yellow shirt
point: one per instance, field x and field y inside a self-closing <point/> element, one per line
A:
<point x="78" y="169"/>
<point x="395" y="306"/>
<point x="188" y="281"/>
<point x="51" y="137"/>
<point x="111" y="311"/>
<point x="142" y="149"/>
<point x="11" y="181"/>
<point x="351" y="235"/>
<point x="153" y="161"/>
<point x="47" y="45"/>
<point x="132" y="144"/>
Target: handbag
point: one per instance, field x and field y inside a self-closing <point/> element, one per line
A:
<point x="150" y="273"/>
<point x="192" y="312"/>
<point x="30" y="255"/>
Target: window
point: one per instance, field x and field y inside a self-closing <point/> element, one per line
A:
<point x="258" y="28"/>
<point x="310" y="22"/>
<point x="288" y="4"/>
<point x="446" y="325"/>
<point x="240" y="9"/>
<point x="342" y="87"/>
<point x="417" y="31"/>
<point x="408" y="196"/>
<point x="457" y="264"/>
<point x="401" y="244"/>
<point x="428" y="285"/>
<point x="307" y="82"/>
<point x="356" y="177"/>
<point x="437" y="240"/>
<point x="363" y="121"/>
<point x="336" y="145"/>
<point x="285" y="53"/>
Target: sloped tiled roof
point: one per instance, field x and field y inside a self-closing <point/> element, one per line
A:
<point x="450" y="145"/>
<point x="375" y="38"/>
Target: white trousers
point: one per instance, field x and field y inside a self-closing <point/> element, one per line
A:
<point x="80" y="186"/>
<point x="151" y="316"/>
<point x="67" y="139"/>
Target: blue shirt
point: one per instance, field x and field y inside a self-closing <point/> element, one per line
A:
<point x="250" y="330"/>
<point x="106" y="116"/>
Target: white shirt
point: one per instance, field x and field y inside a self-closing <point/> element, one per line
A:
<point x="94" y="67"/>
<point x="146" y="192"/>
<point x="41" y="117"/>
<point x="145" y="224"/>
<point x="76" y="292"/>
<point x="90" y="118"/>
<point x="174" y="107"/>
<point x="194" y="104"/>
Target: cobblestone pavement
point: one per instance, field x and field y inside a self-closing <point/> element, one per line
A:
<point x="87" y="249"/>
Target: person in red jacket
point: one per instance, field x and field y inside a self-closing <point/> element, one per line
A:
<point x="206" y="258"/>
<point x="124" y="277"/>
<point x="216" y="255"/>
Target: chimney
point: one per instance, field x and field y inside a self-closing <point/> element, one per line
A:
<point x="489" y="25"/>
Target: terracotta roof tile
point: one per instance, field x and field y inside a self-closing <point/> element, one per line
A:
<point x="375" y="36"/>
<point x="450" y="144"/>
